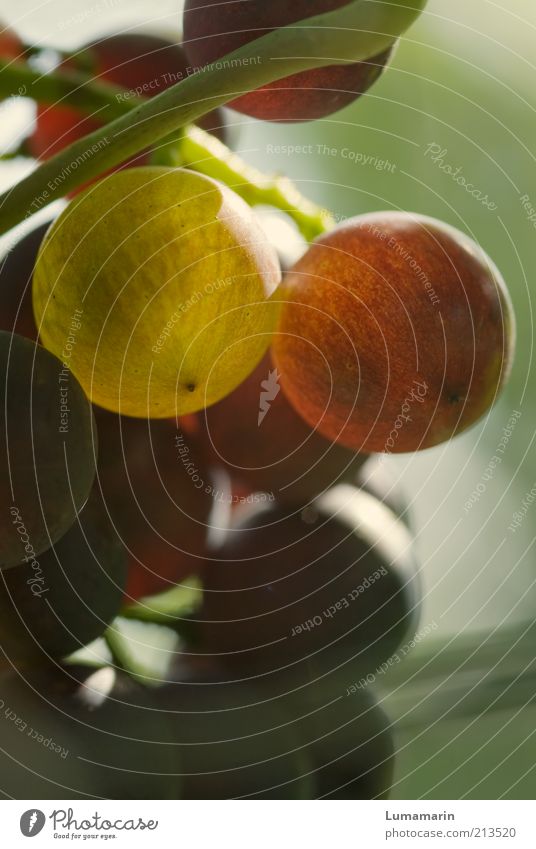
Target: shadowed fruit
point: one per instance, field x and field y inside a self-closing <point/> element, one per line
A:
<point x="213" y="29"/>
<point x="334" y="584"/>
<point x="266" y="446"/>
<point x="231" y="740"/>
<point x="16" y="270"/>
<point x="175" y="279"/>
<point x="396" y="334"/>
<point x="10" y="44"/>
<point x="47" y="455"/>
<point x="159" y="499"/>
<point x="142" y="64"/>
<point x="82" y="733"/>
<point x="58" y="602"/>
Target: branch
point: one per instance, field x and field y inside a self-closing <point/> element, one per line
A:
<point x="352" y="33"/>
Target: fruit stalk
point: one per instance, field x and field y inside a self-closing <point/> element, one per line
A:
<point x="195" y="149"/>
<point x="68" y="88"/>
<point x="351" y="33"/>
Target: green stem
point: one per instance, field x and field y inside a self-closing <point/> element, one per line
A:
<point x="196" y="149"/>
<point x="349" y="34"/>
<point x="65" y="88"/>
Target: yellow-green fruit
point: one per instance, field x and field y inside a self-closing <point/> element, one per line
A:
<point x="172" y="279"/>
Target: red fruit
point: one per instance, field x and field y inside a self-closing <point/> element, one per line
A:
<point x="16" y="270"/>
<point x="159" y="501"/>
<point x="334" y="584"/>
<point x="266" y="446"/>
<point x="10" y="44"/>
<point x="396" y="334"/>
<point x="134" y="62"/>
<point x="213" y="29"/>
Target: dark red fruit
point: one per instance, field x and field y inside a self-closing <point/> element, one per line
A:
<point x="159" y="499"/>
<point x="266" y="446"/>
<point x="16" y="270"/>
<point x="335" y="584"/>
<point x="396" y="334"/>
<point x="134" y="62"/>
<point x="58" y="602"/>
<point x="213" y="29"/>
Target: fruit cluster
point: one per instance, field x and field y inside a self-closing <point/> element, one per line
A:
<point x="175" y="410"/>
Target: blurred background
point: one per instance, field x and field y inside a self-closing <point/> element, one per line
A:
<point x="459" y="101"/>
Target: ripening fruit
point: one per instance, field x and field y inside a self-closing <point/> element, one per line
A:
<point x="139" y="63"/>
<point x="16" y="270"/>
<point x="10" y="44"/>
<point x="213" y="29"/>
<point x="159" y="496"/>
<point x="350" y="740"/>
<point x="231" y="740"/>
<point x="396" y="333"/>
<point x="174" y="279"/>
<point x="77" y="732"/>
<point x="266" y="446"/>
<point x="334" y="584"/>
<point x="59" y="601"/>
<point x="47" y="450"/>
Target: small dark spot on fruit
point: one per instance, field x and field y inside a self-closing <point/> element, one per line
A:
<point x="190" y="387"/>
<point x="454" y="398"/>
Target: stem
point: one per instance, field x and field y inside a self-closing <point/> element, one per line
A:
<point x="204" y="153"/>
<point x="65" y="88"/>
<point x="196" y="149"/>
<point x="350" y="34"/>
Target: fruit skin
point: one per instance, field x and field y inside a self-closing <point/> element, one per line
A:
<point x="160" y="512"/>
<point x="175" y="279"/>
<point x="231" y="739"/>
<point x="16" y="270"/>
<point x="334" y="585"/>
<point x="212" y="30"/>
<point x="47" y="454"/>
<point x="396" y="334"/>
<point x="59" y="602"/>
<point x="97" y="731"/>
<point x="10" y="44"/>
<point x="131" y="61"/>
<point x="266" y="446"/>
